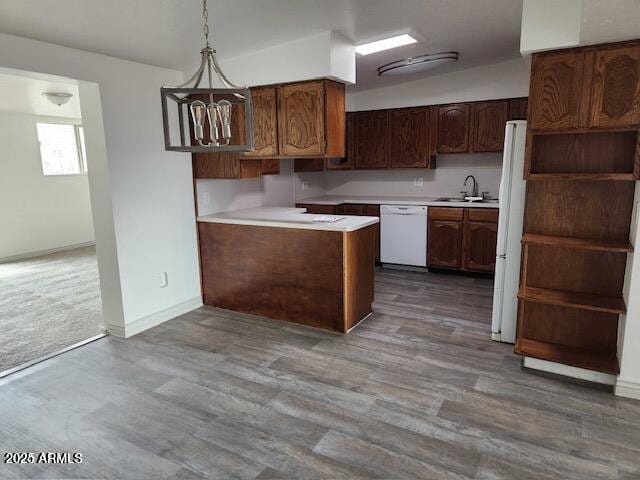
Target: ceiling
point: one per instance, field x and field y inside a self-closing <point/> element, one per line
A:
<point x="168" y="33"/>
<point x="23" y="94"/>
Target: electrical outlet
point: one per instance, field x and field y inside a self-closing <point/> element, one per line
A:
<point x="418" y="182"/>
<point x="163" y="280"/>
<point x="305" y="185"/>
<point x="206" y="198"/>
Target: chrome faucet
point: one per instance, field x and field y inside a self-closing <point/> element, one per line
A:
<point x="474" y="192"/>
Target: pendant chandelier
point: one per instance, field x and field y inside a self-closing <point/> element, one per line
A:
<point x="204" y="120"/>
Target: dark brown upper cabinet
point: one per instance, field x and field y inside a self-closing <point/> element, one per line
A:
<point x="556" y="90"/>
<point x="410" y="138"/>
<point x="615" y="99"/>
<point x="453" y="128"/>
<point x="346" y="162"/>
<point x="590" y="87"/>
<point x="488" y="124"/>
<point x="518" y="108"/>
<point x="311" y="119"/>
<point x="265" y="122"/>
<point x="372" y="140"/>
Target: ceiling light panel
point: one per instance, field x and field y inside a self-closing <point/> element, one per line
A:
<point x="385" y="44"/>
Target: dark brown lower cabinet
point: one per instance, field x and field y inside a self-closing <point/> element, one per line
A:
<point x="480" y="246"/>
<point x="445" y="244"/>
<point x="350" y="209"/>
<point x="318" y="209"/>
<point x="462" y="238"/>
<point x="367" y="210"/>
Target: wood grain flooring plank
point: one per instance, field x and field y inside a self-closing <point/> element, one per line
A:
<point x="401" y="441"/>
<point x="417" y="391"/>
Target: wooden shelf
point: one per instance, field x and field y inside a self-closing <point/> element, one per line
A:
<point x="577" y="243"/>
<point x="584" y="301"/>
<point x="624" y="177"/>
<point x="576" y="357"/>
<point x="567" y="131"/>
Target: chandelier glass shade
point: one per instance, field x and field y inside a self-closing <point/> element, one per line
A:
<point x="208" y="119"/>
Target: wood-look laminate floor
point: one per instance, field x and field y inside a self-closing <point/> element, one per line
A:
<point x="416" y="391"/>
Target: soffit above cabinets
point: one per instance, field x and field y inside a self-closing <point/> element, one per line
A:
<point x="483" y="32"/>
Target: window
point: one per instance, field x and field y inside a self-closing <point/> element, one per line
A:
<point x="62" y="149"/>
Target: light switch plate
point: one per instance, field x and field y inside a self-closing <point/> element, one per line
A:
<point x="418" y="182"/>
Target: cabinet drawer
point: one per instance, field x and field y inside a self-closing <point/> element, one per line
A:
<point x="372" y="210"/>
<point x="482" y="215"/>
<point x="318" y="209"/>
<point x="445" y="213"/>
<point x="347" y="209"/>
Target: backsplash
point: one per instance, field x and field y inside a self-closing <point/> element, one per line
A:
<point x="445" y="180"/>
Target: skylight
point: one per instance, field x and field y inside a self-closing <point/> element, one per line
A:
<point x="385" y="44"/>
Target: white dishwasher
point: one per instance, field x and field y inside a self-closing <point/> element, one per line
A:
<point x="403" y="235"/>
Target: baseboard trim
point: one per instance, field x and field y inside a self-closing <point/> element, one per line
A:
<point x="627" y="389"/>
<point x="569" y="371"/>
<point x="150" y="321"/>
<point x="42" y="253"/>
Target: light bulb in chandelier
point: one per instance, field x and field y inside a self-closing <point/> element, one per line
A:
<point x="198" y="114"/>
<point x="224" y="112"/>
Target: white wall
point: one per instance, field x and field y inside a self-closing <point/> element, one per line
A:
<point x="149" y="190"/>
<point x="445" y="180"/>
<point x="325" y="54"/>
<point x="215" y="196"/>
<point x="279" y="190"/>
<point x="37" y="212"/>
<point x="488" y="82"/>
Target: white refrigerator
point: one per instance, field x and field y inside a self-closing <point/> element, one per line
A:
<point x="508" y="247"/>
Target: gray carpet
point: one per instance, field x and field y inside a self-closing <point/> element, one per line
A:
<point x="48" y="303"/>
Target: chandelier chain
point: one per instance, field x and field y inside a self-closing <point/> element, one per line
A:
<point x="205" y="14"/>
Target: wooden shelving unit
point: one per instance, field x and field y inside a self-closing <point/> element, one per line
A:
<point x="585" y="301"/>
<point x="578" y="243"/>
<point x="576" y="357"/>
<point x="570" y="177"/>
<point x="582" y="162"/>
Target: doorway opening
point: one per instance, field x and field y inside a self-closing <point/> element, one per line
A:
<point x="50" y="295"/>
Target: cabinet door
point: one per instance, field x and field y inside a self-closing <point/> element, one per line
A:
<point x="453" y="128"/>
<point x="374" y="211"/>
<point x="371" y="140"/>
<point x="489" y="119"/>
<point x="615" y="100"/>
<point x="480" y="246"/>
<point x="265" y="124"/>
<point x="518" y="108"/>
<point x="345" y="163"/>
<point x="270" y="166"/>
<point x="308" y="165"/>
<point x="444" y="242"/>
<point x="301" y="119"/>
<point x="409" y="138"/>
<point x="556" y="91"/>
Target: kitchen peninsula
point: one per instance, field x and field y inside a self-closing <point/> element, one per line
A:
<point x="286" y="264"/>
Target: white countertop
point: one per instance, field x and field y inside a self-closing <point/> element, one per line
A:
<point x="286" y="217"/>
<point x="428" y="201"/>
